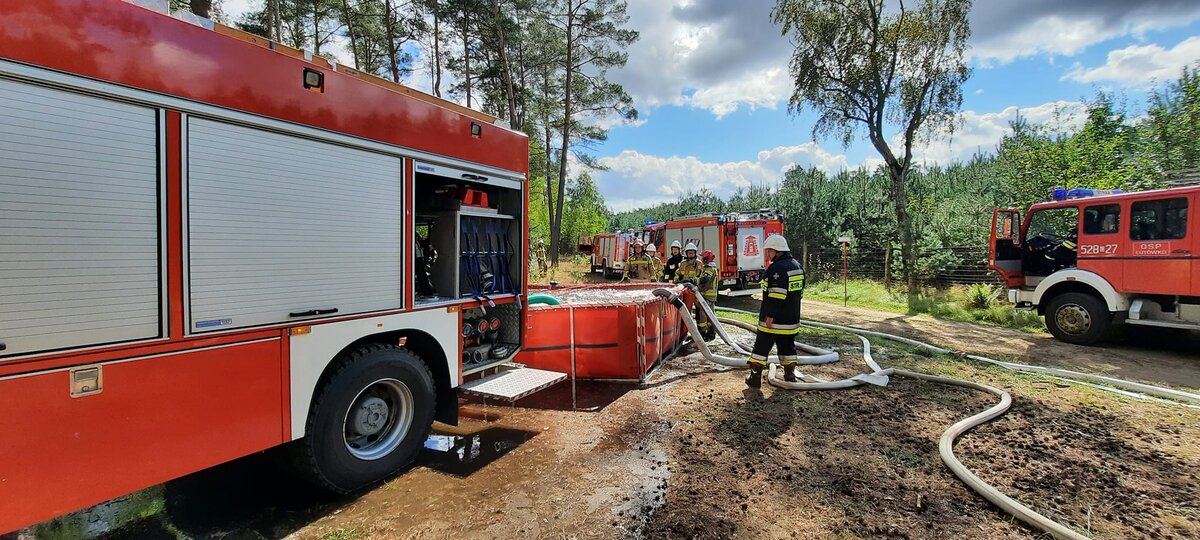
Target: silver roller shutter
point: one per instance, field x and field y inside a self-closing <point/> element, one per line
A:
<point x="280" y="225"/>
<point x="79" y="220"/>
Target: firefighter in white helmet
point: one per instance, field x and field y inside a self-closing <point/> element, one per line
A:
<point x="672" y="266"/>
<point x="691" y="271"/>
<point x="637" y="265"/>
<point x="779" y="316"/>
<point x="656" y="266"/>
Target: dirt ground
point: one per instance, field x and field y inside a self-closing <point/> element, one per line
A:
<point x="693" y="453"/>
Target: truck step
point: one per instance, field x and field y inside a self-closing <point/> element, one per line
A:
<point x="1163" y="324"/>
<point x="513" y="384"/>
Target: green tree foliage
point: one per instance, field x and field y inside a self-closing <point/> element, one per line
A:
<point x="862" y="66"/>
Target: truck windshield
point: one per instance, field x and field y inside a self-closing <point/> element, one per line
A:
<point x="1055" y="223"/>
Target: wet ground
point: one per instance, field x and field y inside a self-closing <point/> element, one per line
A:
<point x="692" y="453"/>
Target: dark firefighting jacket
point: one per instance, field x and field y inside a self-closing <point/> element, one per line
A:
<point x="783" y="288"/>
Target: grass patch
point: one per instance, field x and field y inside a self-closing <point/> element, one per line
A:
<point x="343" y="534"/>
<point x="904" y="457"/>
<point x="980" y="304"/>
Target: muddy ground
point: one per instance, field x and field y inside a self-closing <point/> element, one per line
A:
<point x="694" y="454"/>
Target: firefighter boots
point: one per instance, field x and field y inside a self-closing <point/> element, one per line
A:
<point x="789" y="373"/>
<point x="754" y="379"/>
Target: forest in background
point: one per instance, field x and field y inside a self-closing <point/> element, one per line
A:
<point x="952" y="205"/>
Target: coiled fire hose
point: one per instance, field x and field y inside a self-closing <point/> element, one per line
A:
<point x="879" y="376"/>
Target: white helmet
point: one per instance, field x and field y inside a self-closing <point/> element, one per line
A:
<point x="676" y="244"/>
<point x="690" y="247"/>
<point x="651" y="247"/>
<point x="776" y="242"/>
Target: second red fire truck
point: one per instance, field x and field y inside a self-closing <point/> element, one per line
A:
<point x="1086" y="262"/>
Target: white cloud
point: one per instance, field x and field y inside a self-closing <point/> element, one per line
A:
<point x="634" y="179"/>
<point x="979" y="133"/>
<point x="1140" y="66"/>
<point x="1006" y="30"/>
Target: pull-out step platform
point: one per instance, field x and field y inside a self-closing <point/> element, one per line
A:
<point x="512" y="384"/>
<point x="740" y="292"/>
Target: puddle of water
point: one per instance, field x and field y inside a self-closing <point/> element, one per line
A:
<point x="588" y="396"/>
<point x="462" y="455"/>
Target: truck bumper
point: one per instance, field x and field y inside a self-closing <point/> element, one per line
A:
<point x="1021" y="298"/>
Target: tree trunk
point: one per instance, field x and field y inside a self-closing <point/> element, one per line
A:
<point x="466" y="35"/>
<point x="389" y="30"/>
<point x="273" y="20"/>
<point x="437" y="53"/>
<point x="899" y="177"/>
<point x="316" y="30"/>
<point x="508" y="83"/>
<point x="887" y="268"/>
<point x="202" y="8"/>
<point x="349" y="19"/>
<point x="556" y="225"/>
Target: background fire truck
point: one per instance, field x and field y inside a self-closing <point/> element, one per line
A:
<point x="608" y="252"/>
<point x="1085" y="262"/>
<point x="209" y="248"/>
<point x="735" y="237"/>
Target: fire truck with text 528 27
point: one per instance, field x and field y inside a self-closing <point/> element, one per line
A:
<point x="1088" y="259"/>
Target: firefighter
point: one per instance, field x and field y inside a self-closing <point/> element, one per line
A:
<point x="1064" y="255"/>
<point x="672" y="266"/>
<point x="637" y="265"/>
<point x="656" y="266"/>
<point x="539" y="256"/>
<point x="708" y="289"/>
<point x="689" y="272"/>
<point x="779" y="316"/>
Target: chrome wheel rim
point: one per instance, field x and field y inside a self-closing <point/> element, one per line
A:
<point x="1073" y="319"/>
<point x="378" y="419"/>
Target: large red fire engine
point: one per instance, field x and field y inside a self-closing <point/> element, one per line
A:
<point x="214" y="245"/>
<point x="735" y="237"/>
<point x="1086" y="262"/>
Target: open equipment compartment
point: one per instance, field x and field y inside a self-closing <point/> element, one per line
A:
<point x="468" y="237"/>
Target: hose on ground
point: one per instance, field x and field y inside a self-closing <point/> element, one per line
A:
<point x="945" y="444"/>
<point x="822" y="355"/>
<point x="1100" y="381"/>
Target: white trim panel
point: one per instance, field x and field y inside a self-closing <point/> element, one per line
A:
<point x="311" y="353"/>
<point x="462" y="175"/>
<point x="1117" y="302"/>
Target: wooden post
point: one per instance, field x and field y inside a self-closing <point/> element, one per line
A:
<point x="887" y="268"/>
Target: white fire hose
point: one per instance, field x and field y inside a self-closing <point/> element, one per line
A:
<point x="879" y="376"/>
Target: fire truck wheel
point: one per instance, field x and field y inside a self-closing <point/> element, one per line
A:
<point x="369" y="420"/>
<point x="1078" y="318"/>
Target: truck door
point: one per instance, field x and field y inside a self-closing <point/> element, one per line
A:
<point x="1005" y="257"/>
<point x="1100" y="242"/>
<point x="1160" y="257"/>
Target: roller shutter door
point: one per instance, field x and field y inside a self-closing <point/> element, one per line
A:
<point x="79" y="220"/>
<point x="281" y="225"/>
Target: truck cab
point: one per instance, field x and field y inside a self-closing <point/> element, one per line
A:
<point x="1085" y="262"/>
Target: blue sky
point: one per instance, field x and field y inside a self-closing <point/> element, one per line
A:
<point x="709" y="78"/>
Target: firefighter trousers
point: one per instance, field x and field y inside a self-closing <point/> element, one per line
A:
<point x="785" y="345"/>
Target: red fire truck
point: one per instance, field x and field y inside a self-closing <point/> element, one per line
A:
<point x="209" y="242"/>
<point x="735" y="237"/>
<point x="609" y="251"/>
<point x="1086" y="262"/>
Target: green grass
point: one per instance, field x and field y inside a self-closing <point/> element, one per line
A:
<point x="979" y="304"/>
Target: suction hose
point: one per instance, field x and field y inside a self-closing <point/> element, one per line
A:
<point x="822" y="355"/>
<point x="816" y="355"/>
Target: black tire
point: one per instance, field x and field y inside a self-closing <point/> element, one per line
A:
<point x="325" y="456"/>
<point x="1078" y="318"/>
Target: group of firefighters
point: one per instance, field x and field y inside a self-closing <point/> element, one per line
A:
<point x="779" y="315"/>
